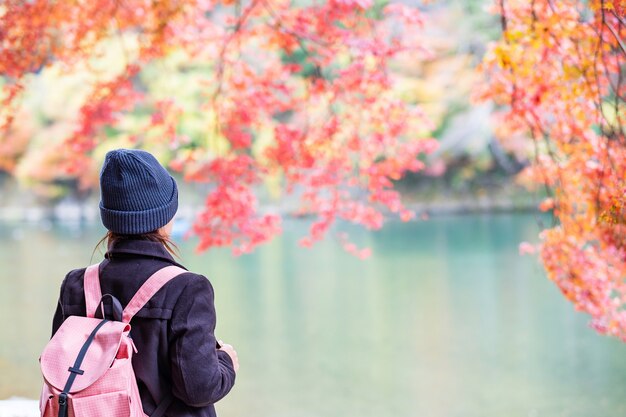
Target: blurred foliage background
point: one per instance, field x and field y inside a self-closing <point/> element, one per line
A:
<point x="469" y="163"/>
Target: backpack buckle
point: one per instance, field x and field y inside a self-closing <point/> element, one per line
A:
<point x="63" y="404"/>
<point x="75" y="370"/>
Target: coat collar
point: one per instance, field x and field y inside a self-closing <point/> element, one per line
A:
<point x="140" y="247"/>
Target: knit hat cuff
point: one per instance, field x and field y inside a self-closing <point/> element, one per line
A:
<point x="139" y="222"/>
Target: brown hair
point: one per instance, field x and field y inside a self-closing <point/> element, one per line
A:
<point x="155" y="236"/>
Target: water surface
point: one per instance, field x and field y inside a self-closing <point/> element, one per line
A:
<point x="445" y="319"/>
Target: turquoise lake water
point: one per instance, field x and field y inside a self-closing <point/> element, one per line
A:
<point x="445" y="319"/>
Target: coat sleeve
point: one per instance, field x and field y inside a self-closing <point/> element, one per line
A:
<point x="201" y="374"/>
<point x="59" y="314"/>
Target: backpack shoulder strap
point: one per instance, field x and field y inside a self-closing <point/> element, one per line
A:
<point x="149" y="288"/>
<point x="93" y="293"/>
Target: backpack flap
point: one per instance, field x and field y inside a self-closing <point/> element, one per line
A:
<point x="79" y="338"/>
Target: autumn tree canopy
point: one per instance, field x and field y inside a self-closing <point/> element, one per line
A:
<point x="558" y="73"/>
<point x="298" y="98"/>
<point x="294" y="94"/>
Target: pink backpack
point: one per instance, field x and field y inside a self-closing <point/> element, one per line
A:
<point x="87" y="367"/>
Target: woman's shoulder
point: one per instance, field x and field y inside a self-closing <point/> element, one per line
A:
<point x="72" y="288"/>
<point x="186" y="284"/>
<point x="73" y="283"/>
<point x="71" y="296"/>
<point x="190" y="281"/>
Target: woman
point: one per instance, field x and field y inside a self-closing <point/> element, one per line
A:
<point x="178" y="363"/>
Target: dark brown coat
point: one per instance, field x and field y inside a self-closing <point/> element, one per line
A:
<point x="173" y="333"/>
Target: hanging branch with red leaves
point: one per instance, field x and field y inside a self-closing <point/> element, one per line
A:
<point x="300" y="96"/>
<point x="558" y="74"/>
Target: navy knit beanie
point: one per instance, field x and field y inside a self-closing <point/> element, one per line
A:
<point x="137" y="194"/>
